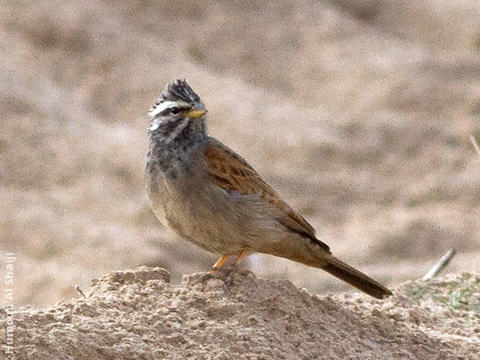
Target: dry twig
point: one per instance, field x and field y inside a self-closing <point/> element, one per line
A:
<point x="440" y="265"/>
<point x="77" y="288"/>
<point x="475" y="144"/>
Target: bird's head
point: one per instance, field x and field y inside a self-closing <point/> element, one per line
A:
<point x="178" y="108"/>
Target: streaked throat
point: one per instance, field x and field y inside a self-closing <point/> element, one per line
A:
<point x="182" y="124"/>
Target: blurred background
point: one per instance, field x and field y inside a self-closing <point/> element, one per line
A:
<point x="358" y="112"/>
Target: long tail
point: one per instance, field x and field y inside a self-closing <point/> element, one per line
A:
<point x="355" y="278"/>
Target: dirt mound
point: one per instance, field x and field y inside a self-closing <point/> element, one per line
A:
<point x="139" y="314"/>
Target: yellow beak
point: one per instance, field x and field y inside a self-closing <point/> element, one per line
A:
<point x="195" y="113"/>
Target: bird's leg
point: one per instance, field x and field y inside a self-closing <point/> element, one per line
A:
<point x="225" y="271"/>
<point x="244" y="253"/>
<point x="241" y="256"/>
<point x="218" y="264"/>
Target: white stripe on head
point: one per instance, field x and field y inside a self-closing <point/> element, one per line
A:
<point x="157" y="109"/>
<point x="181" y="125"/>
<point x="155" y="125"/>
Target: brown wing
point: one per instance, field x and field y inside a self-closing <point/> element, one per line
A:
<point x="231" y="172"/>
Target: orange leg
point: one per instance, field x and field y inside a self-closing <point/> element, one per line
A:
<point x="241" y="256"/>
<point x="219" y="264"/>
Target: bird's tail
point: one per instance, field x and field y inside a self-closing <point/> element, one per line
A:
<point x="355" y="278"/>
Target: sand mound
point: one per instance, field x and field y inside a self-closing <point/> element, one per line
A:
<point x="139" y="314"/>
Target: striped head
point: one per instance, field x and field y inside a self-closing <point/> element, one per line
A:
<point x="177" y="109"/>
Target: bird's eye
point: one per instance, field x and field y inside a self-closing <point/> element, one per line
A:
<point x="175" y="111"/>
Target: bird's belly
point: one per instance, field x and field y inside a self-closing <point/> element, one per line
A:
<point x="225" y="223"/>
<point x="200" y="214"/>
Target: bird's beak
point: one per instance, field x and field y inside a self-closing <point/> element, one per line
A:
<point x="195" y="113"/>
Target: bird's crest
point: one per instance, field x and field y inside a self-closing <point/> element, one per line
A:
<point x="178" y="90"/>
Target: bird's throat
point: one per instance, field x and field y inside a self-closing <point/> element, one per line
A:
<point x="171" y="146"/>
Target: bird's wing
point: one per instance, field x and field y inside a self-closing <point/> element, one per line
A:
<point x="229" y="171"/>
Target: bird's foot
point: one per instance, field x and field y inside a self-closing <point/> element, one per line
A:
<point x="220" y="272"/>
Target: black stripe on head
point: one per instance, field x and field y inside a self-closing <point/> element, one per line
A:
<point x="174" y="109"/>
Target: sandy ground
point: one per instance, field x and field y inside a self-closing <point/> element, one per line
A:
<point x="358" y="112"/>
<point x="139" y="314"/>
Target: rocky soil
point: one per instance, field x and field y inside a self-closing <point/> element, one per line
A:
<point x="140" y="314"/>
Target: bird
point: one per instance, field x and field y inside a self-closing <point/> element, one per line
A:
<point x="209" y="195"/>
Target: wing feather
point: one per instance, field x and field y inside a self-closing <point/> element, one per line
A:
<point x="231" y="172"/>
